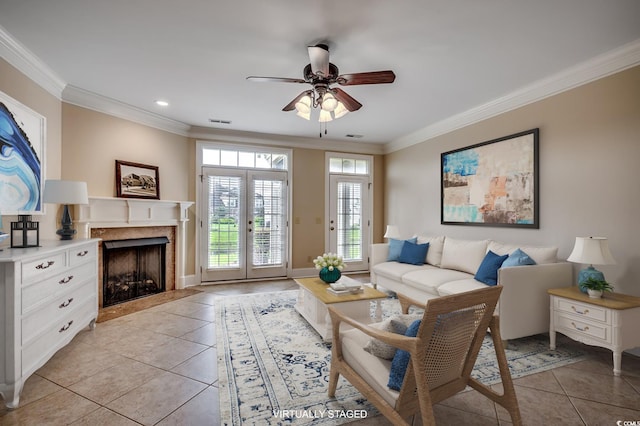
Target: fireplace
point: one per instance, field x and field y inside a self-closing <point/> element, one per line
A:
<point x="133" y="268"/>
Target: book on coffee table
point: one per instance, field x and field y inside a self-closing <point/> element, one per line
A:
<point x="345" y="286"/>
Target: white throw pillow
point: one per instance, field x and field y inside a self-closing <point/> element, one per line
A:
<point x="539" y="254"/>
<point x="463" y="255"/>
<point x="397" y="324"/>
<point x="434" y="254"/>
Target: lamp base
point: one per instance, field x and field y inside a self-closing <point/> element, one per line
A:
<point x="66" y="232"/>
<point x="585" y="274"/>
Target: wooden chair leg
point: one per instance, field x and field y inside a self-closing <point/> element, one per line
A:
<point x="334" y="375"/>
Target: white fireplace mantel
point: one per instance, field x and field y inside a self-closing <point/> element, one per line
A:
<point x="109" y="212"/>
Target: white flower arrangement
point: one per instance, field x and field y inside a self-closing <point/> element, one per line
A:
<point x="330" y="261"/>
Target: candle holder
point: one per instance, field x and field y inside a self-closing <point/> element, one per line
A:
<point x="25" y="233"/>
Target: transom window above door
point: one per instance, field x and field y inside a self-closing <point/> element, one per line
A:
<point x="244" y="159"/>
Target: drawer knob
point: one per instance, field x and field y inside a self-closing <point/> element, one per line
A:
<point x="578" y="328"/>
<point x="66" y="303"/>
<point x="82" y="253"/>
<point x="586" y="311"/>
<point x="65" y="327"/>
<point x="45" y="265"/>
<point x="65" y="280"/>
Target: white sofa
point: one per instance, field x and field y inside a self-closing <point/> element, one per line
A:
<point x="450" y="268"/>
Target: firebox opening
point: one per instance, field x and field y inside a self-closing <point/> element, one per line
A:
<point x="133" y="268"/>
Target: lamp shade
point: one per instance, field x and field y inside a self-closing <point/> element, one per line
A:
<point x="392" y="232"/>
<point x="65" y="192"/>
<point x="591" y="250"/>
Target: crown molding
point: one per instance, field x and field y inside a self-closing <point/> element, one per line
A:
<point x="85" y="99"/>
<point x="614" y="61"/>
<point x="211" y="134"/>
<point x="29" y="64"/>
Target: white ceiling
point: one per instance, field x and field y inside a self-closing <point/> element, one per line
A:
<point x="449" y="56"/>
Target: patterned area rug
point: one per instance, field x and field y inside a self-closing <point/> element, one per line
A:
<point x="274" y="368"/>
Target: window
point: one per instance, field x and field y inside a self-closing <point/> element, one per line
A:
<point x="244" y="159"/>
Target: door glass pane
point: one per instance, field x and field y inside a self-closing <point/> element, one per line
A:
<point x="246" y="159"/>
<point x="224" y="214"/>
<point x="269" y="221"/>
<point x="229" y="158"/>
<point x="349" y="236"/>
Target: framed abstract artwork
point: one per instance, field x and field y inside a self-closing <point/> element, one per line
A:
<point x="135" y="180"/>
<point x="22" y="144"/>
<point x="493" y="183"/>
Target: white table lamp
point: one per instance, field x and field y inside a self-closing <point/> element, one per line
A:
<point x="591" y="251"/>
<point x="65" y="192"/>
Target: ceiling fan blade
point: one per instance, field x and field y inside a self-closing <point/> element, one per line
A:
<point x="292" y="105"/>
<point x="349" y="103"/>
<point x="374" y="77"/>
<point x="319" y="58"/>
<point x="276" y="79"/>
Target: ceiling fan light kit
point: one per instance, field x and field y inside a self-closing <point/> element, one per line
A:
<point x="321" y="74"/>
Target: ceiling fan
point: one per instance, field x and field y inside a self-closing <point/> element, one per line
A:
<point x="321" y="74"/>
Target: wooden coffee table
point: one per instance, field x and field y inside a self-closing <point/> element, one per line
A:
<point x="314" y="298"/>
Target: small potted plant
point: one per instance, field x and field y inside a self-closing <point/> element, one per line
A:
<point x="596" y="287"/>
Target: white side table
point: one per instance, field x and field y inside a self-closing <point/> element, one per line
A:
<point x="609" y="322"/>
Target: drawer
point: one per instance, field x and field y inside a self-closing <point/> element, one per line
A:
<point x="35" y="294"/>
<point x="80" y="255"/>
<point x="57" y="308"/>
<point x="584" y="310"/>
<point x="37" y="352"/>
<point x="43" y="267"/>
<point x="578" y="326"/>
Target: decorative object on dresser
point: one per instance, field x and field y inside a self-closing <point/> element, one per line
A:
<point x="65" y="192"/>
<point x="25" y="232"/>
<point x="135" y="180"/>
<point x="609" y="322"/>
<point x="595" y="288"/>
<point x="48" y="295"/>
<point x="592" y="251"/>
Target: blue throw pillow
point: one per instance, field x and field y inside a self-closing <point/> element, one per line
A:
<point x="401" y="360"/>
<point x="488" y="271"/>
<point x="518" y="258"/>
<point x="395" y="248"/>
<point x="414" y="254"/>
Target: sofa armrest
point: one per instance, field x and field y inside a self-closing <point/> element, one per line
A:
<point x="379" y="253"/>
<point x="524" y="303"/>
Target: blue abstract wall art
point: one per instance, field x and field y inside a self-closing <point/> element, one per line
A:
<point x="21" y="154"/>
<point x="493" y="183"/>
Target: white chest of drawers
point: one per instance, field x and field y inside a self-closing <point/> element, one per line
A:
<point x="47" y="295"/>
<point x="610" y="322"/>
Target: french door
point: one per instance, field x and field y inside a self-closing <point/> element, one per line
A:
<point x="349" y="220"/>
<point x="244" y="226"/>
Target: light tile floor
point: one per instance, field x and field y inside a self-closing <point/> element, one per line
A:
<point x="139" y="370"/>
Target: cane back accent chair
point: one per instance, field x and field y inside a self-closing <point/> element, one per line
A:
<point x="443" y="354"/>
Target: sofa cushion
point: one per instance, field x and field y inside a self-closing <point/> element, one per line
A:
<point x="434" y="255"/>
<point x="395" y="248"/>
<point x="374" y="370"/>
<point x="540" y="255"/>
<point x="463" y="255"/>
<point x="396" y="270"/>
<point x="429" y="279"/>
<point x="401" y="359"/>
<point x="518" y="258"/>
<point x="488" y="270"/>
<point x="414" y="254"/>
<point x="460" y="286"/>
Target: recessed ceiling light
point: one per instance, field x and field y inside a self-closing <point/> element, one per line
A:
<point x="162" y="103"/>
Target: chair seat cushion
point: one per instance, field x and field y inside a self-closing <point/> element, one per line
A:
<point x="374" y="370"/>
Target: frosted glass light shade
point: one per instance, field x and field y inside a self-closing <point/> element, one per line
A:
<point x="329" y="102"/>
<point x="325" y="116"/>
<point x="592" y="251"/>
<point x="303" y="106"/>
<point x="340" y="111"/>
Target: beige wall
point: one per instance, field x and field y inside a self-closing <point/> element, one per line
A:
<point x="92" y="141"/>
<point x="589" y="154"/>
<point x="16" y="85"/>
